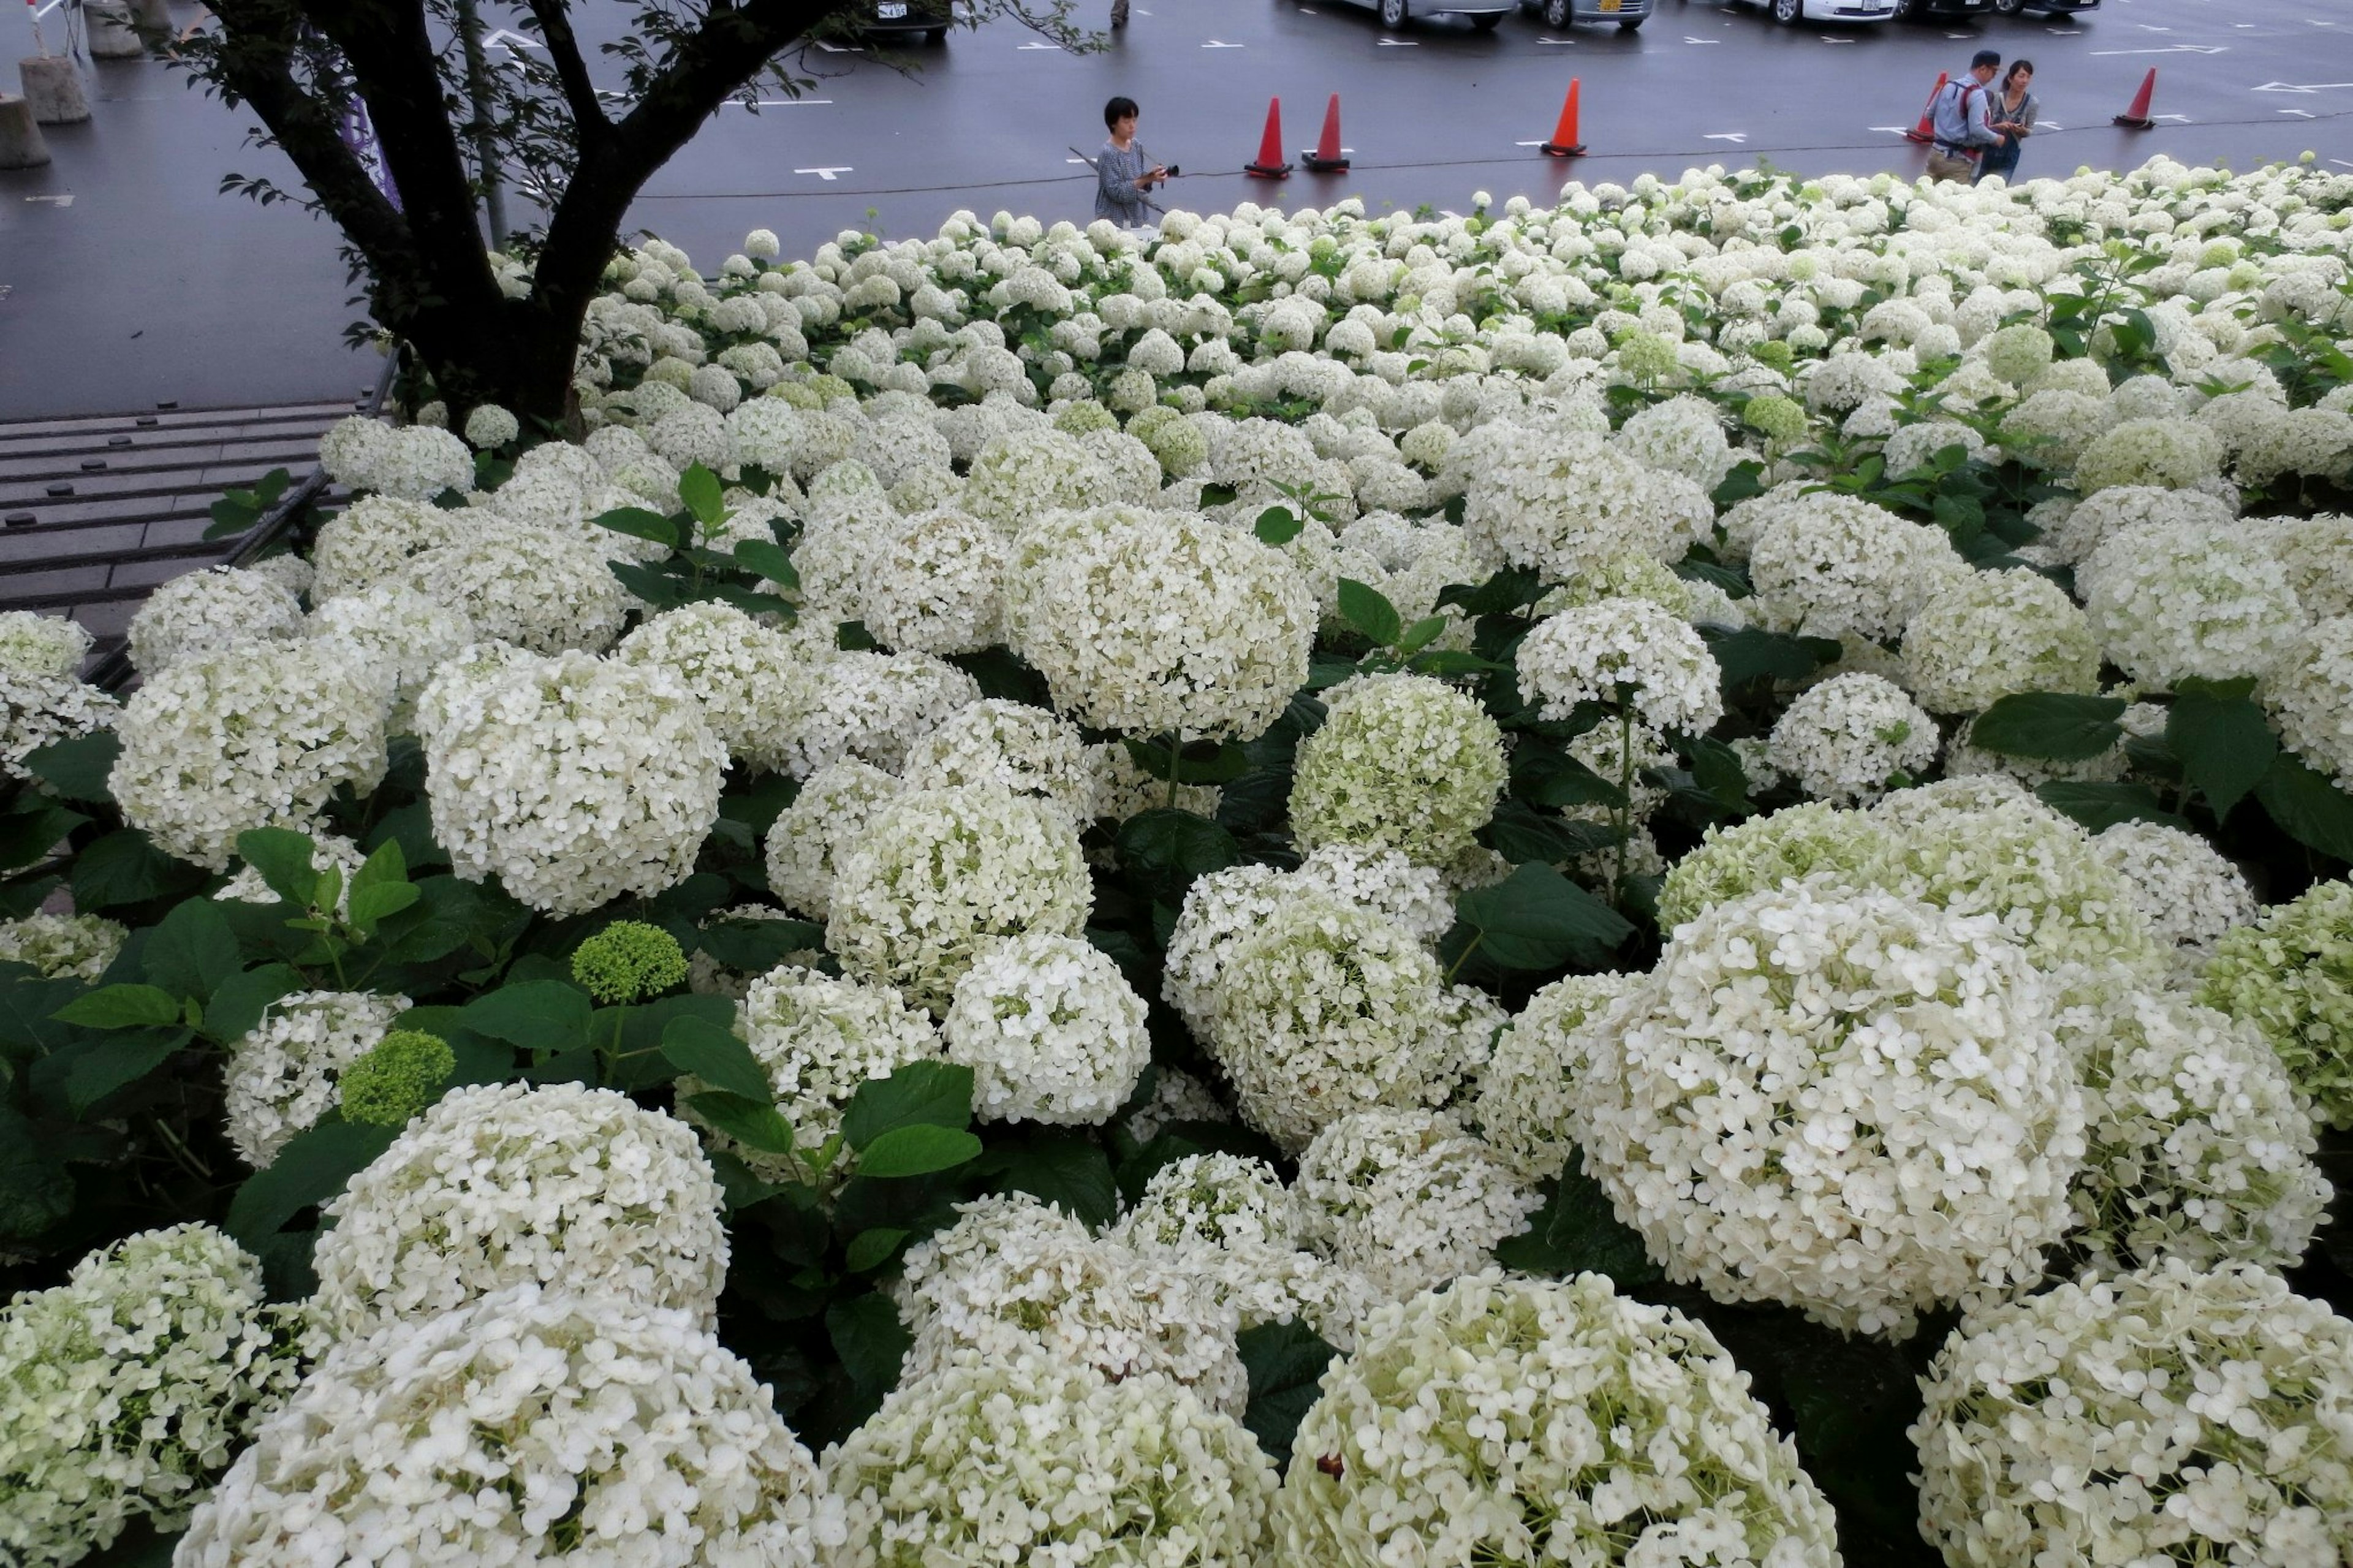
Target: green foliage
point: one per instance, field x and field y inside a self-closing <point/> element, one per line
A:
<point x="629" y="961"/>
<point x="2223" y="742"/>
<point x="1535" y="918"/>
<point x="2060" y="726"/>
<point x="1576" y="1232"/>
<point x="1286" y="1362"/>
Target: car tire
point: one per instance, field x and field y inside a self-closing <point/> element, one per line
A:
<point x="1393" y="14"/>
<point x="1905" y="11"/>
<point x="1788" y="12"/>
<point x="936" y="36"/>
<point x="1556" y="13"/>
<point x="1488" y="23"/>
<point x="2009" y="8"/>
<point x="1630" y="25"/>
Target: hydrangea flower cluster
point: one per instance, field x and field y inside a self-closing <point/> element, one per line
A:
<point x="1846" y="1101"/>
<point x="807" y="837"/>
<point x="125" y="1392"/>
<point x="2175" y="1414"/>
<point x="1535" y="1421"/>
<point x="1013" y="746"/>
<point x="2189" y="895"/>
<point x="282" y="1074"/>
<point x="1588" y="653"/>
<point x="1812" y="839"/>
<point x="62" y="947"/>
<point x="1407" y="1200"/>
<point x="2291" y="975"/>
<point x="39" y="710"/>
<point x="506" y="1184"/>
<point x="540" y="1421"/>
<point x="33" y="644"/>
<point x="1402" y="762"/>
<point x="1051" y="1029"/>
<point x="1852" y="738"/>
<point x="1525" y="1107"/>
<point x="1988" y="634"/>
<point x="209" y="610"/>
<point x="748" y="678"/>
<point x="2169" y="601"/>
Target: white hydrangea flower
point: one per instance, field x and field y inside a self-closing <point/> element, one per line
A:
<point x="871" y="706"/>
<point x="2200" y="1147"/>
<point x="1403" y="762"/>
<point x="1524" y="1107"/>
<point x="1837" y="566"/>
<point x="820" y="1038"/>
<point x="2090" y="522"/>
<point x="1166" y="625"/>
<point x="62" y="947"/>
<point x="418" y="462"/>
<point x="373" y="539"/>
<point x="1812" y="840"/>
<point x="488" y="426"/>
<point x="1851" y="738"/>
<point x="1322" y="1008"/>
<point x="395" y="632"/>
<point x="573" y="779"/>
<point x="281" y="1074"/>
<point x="1220" y="911"/>
<point x="1030" y="1460"/>
<point x="2182" y="886"/>
<point x="2309" y="694"/>
<point x="1013" y="746"/>
<point x="1176" y="1096"/>
<point x="1847" y="1102"/>
<point x="1385" y="882"/>
<point x="124" y="1391"/>
<point x="1987" y="634"/>
<point x="939" y="873"/>
<point x="504" y="1183"/>
<point x="2170" y="600"/>
<point x="33" y="644"/>
<point x="1017" y="477"/>
<point x="1521" y="1421"/>
<point x="1559" y="501"/>
<point x="541" y="1421"/>
<point x="2169" y="453"/>
<point x="1123" y="789"/>
<point x="1407" y="1199"/>
<point x="205" y="611"/>
<point x="749" y="678"/>
<point x="806" y="840"/>
<point x="2170" y="1415"/>
<point x="937" y="586"/>
<point x="541" y="588"/>
<point x="243" y="737"/>
<point x="1051" y="1029"/>
<point x="38" y="710"/>
<point x="1683" y="435"/>
<point x="1587" y="653"/>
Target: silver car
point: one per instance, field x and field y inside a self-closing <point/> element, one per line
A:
<point x="1482" y="14"/>
<point x="1627" y="13"/>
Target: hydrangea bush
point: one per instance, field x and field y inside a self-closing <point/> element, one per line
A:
<point x="1043" y="848"/>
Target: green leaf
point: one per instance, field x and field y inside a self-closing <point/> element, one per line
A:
<point x="287" y="860"/>
<point x="2059" y="725"/>
<point x="1168" y="849"/>
<point x="917" y="1150"/>
<point x="385" y="867"/>
<point x="756" y="1122"/>
<point x="369" y="906"/>
<point x="699" y="489"/>
<point x="36" y="1192"/>
<point x="125" y="868"/>
<point x="314" y="1166"/>
<point x="743" y="1186"/>
<point x="1368" y="610"/>
<point x="77" y="769"/>
<point x="2312" y="810"/>
<point x="2103" y="806"/>
<point x="32" y="828"/>
<point x="1200" y="763"/>
<point x="2224" y="742"/>
<point x="872" y="1248"/>
<point x="193" y="950"/>
<point x="921" y="1094"/>
<point x="118" y="1060"/>
<point x="1508" y="590"/>
<point x="769" y="561"/>
<point x="122" y="1007"/>
<point x="1752" y="653"/>
<point x="1520" y="833"/>
<point x="1422" y="632"/>
<point x="1718" y="772"/>
<point x="537" y="1015"/>
<point x="1286" y="1361"/>
<point x="239" y="1003"/>
<point x="869" y="1338"/>
<point x="1538" y="919"/>
<point x="757" y="946"/>
<point x="664" y="589"/>
<point x="29" y="1002"/>
<point x="1070" y="1172"/>
<point x="717" y="1056"/>
<point x="1578" y="1232"/>
<point x="639" y="523"/>
<point x="1278" y="526"/>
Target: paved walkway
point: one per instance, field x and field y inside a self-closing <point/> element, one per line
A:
<point x="150" y="285"/>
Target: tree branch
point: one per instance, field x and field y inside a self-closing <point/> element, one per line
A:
<point x="563" y="53"/>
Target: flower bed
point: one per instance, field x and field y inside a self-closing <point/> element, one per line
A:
<point x="1660" y="881"/>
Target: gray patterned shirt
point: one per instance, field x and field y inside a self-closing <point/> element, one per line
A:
<point x="1116" y="196"/>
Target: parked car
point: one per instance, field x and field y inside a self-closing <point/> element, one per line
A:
<point x="1482" y="14"/>
<point x="1791" y="12"/>
<point x="2048" y="7"/>
<point x="1627" y="13"/>
<point x="932" y="18"/>
<point x="1915" y="10"/>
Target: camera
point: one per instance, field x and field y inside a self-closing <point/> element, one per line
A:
<point x="1174" y="171"/>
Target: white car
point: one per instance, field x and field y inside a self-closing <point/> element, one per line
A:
<point x="1484" y="15"/>
<point x="1791" y="12"/>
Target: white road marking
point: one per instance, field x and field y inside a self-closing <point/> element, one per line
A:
<point x="1220" y="44"/>
<point x="826" y="175"/>
<point x="2147" y="28"/>
<point x="1689" y="39"/>
<point x="836" y="48"/>
<point x="1894" y="130"/>
<point x="45" y="10"/>
<point x="1566" y="40"/>
<point x="53" y="201"/>
<point x="1736" y="137"/>
<point x="2299" y="86"/>
<point x="2299" y="113"/>
<point x="778" y="103"/>
<point x="499" y="38"/>
<point x="1055" y="47"/>
<point x="1842" y="40"/>
<point x="1384" y="43"/>
<point x="2171" y="49"/>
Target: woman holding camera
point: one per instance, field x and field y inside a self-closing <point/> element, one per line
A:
<point x="1124" y="171"/>
<point x="2013" y="110"/>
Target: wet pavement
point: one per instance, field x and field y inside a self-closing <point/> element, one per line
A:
<point x="126" y="279"/>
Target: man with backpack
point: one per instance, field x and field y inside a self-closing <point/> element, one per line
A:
<point x="1961" y="119"/>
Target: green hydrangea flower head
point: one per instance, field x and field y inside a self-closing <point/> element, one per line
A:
<point x="629" y="961"/>
<point x="2291" y="975"/>
<point x="1792" y="843"/>
<point x="1085" y="416"/>
<point x="1646" y="358"/>
<point x="1777" y="418"/>
<point x="404" y="1073"/>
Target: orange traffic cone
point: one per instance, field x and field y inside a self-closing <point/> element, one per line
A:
<point x="1270" y="164"/>
<point x="2136" y="117"/>
<point x="1327" y="158"/>
<point x="1564" y="142"/>
<point x="1926" y="132"/>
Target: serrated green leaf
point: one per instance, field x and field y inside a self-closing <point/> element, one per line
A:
<point x="2103" y="806"/>
<point x="314" y="1166"/>
<point x="699" y="489"/>
<point x="769" y="561"/>
<point x="1070" y="1172"/>
<point x="1368" y="610"/>
<point x="370" y="906"/>
<point x="77" y="769"/>
<point x="755" y="1122"/>
<point x="755" y="946"/>
<point x="1286" y="1363"/>
<point x="1576" y="1232"/>
<point x="125" y="868"/>
<point x="1751" y="653"/>
<point x="2224" y="743"/>
<point x="1278" y="526"/>
<point x="117" y="1061"/>
<point x="1538" y="919"/>
<point x="871" y="1249"/>
<point x="537" y="1015"/>
<point x="917" y="1150"/>
<point x="1167" y="849"/>
<point x="2310" y="808"/>
<point x="934" y="1094"/>
<point x="717" y="1058"/>
<point x="287" y="860"/>
<point x="639" y="523"/>
<point x="238" y="1002"/>
<point x="2058" y="725"/>
<point x="122" y="1007"/>
<point x="192" y="951"/>
<point x="868" y="1337"/>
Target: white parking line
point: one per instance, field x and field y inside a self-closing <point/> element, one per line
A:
<point x="1384" y="43"/>
<point x="1734" y="137"/>
<point x="826" y="175"/>
<point x="1216" y="44"/>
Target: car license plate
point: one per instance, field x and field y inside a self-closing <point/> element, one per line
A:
<point x="1611" y="4"/>
<point x="892" y="10"/>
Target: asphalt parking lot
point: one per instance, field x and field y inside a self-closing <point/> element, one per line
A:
<point x="125" y="279"/>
